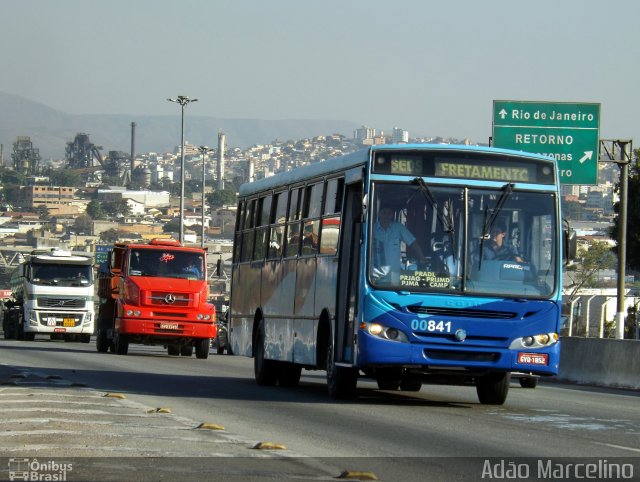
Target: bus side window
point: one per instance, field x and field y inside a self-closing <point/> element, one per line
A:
<point x="293" y="242"/>
<point x="330" y="235"/>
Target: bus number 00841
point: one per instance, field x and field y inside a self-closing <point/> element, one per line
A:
<point x="431" y="325"/>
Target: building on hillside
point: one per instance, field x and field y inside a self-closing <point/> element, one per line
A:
<point x="59" y="200"/>
<point x="150" y="199"/>
<point x="399" y="136"/>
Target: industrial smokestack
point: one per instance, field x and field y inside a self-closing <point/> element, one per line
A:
<point x="220" y="169"/>
<point x="133" y="148"/>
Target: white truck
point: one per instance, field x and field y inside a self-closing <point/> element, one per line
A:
<point x="53" y="293"/>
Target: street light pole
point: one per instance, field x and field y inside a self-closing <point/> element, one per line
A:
<point x="203" y="150"/>
<point x="183" y="100"/>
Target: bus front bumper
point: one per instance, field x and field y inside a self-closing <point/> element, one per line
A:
<point x="374" y="351"/>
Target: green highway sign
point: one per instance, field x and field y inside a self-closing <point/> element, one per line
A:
<point x="568" y="132"/>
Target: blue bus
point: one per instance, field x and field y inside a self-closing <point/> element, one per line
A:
<point x="385" y="264"/>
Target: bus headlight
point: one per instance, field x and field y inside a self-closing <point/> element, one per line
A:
<point x="534" y="341"/>
<point x="384" y="332"/>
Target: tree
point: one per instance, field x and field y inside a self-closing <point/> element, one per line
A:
<point x="64" y="177"/>
<point x="116" y="208"/>
<point x="43" y="212"/>
<point x="83" y="224"/>
<point x="218" y="199"/>
<point x="95" y="210"/>
<point x="633" y="216"/>
<point x="172" y="226"/>
<point x="109" y="236"/>
<point x="597" y="257"/>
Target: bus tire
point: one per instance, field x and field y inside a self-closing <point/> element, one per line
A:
<point x="341" y="381"/>
<point x="85" y="338"/>
<point x="493" y="388"/>
<point x="289" y="375"/>
<point x="121" y="344"/>
<point x="203" y="345"/>
<point x="102" y="342"/>
<point x="29" y="336"/>
<point x="265" y="371"/>
<point x="186" y="350"/>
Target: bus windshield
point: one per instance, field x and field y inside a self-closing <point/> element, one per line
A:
<point x="495" y="242"/>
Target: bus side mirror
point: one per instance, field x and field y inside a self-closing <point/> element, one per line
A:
<point x="570" y="245"/>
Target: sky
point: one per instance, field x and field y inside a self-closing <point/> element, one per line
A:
<point x="432" y="68"/>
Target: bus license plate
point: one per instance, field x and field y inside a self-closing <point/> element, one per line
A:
<point x="169" y="326"/>
<point x="533" y="358"/>
<point x="69" y="322"/>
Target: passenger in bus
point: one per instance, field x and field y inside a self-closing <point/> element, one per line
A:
<point x="388" y="236"/>
<point x="497" y="248"/>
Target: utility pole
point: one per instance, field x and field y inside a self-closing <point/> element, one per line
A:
<point x="610" y="147"/>
<point x="183" y="100"/>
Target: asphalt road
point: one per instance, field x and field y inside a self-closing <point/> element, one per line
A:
<point x="441" y="431"/>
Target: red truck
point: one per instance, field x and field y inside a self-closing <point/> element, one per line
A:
<point x="155" y="294"/>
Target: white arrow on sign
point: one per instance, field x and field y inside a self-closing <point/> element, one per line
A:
<point x="502" y="113"/>
<point x="587" y="157"/>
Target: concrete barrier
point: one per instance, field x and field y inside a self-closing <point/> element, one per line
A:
<point x="600" y="361"/>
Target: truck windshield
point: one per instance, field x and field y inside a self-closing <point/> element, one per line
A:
<point x="166" y="263"/>
<point x="61" y="274"/>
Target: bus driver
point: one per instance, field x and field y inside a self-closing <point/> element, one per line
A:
<point x="388" y="235"/>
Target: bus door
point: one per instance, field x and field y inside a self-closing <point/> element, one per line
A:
<point x="348" y="274"/>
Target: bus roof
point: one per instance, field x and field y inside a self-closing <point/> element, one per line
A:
<point x="348" y="161"/>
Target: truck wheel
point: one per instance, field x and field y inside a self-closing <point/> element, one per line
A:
<point x="121" y="344"/>
<point x="29" y="336"/>
<point x="186" y="350"/>
<point x="102" y="342"/>
<point x="173" y="350"/>
<point x="265" y="371"/>
<point x="203" y="346"/>
<point x="492" y="389"/>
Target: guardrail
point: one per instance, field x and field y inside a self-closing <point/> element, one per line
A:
<point x="600" y="361"/>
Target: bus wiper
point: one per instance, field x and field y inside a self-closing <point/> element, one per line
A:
<point x="445" y="221"/>
<point x="489" y="220"/>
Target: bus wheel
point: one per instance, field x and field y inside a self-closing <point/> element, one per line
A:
<point x="85" y="338"/>
<point x="186" y="350"/>
<point x="29" y="336"/>
<point x="265" y="371"/>
<point x="121" y="344"/>
<point x="493" y="388"/>
<point x="173" y="350"/>
<point x="102" y="342"/>
<point x="203" y="346"/>
<point x="341" y="381"/>
<point x="289" y="375"/>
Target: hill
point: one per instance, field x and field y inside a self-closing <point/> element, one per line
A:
<point x="50" y="129"/>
